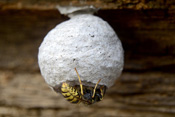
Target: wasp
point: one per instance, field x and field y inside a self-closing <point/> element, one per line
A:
<point x="84" y="94"/>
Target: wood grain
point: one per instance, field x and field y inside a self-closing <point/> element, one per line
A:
<point x="145" y="89"/>
<point x="148" y="94"/>
<point x="103" y="4"/>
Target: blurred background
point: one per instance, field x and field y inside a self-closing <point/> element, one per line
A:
<point x="145" y="89"/>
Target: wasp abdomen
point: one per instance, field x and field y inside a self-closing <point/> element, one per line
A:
<point x="70" y="93"/>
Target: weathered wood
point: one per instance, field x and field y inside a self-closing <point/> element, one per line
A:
<point x="104" y="4"/>
<point x="145" y="89"/>
<point x="148" y="46"/>
<point x="148" y="94"/>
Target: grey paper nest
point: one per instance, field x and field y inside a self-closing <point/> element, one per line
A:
<point x="85" y="42"/>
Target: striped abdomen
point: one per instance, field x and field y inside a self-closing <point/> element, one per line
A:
<point x="70" y="93"/>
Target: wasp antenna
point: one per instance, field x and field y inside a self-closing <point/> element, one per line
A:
<point x="95" y="88"/>
<point x="102" y="91"/>
<point x="81" y="86"/>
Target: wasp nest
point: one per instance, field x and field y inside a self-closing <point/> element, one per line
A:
<point x="85" y="42"/>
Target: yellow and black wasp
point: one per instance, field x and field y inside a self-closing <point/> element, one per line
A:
<point x="85" y="94"/>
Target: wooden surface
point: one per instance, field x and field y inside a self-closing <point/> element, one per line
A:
<point x="134" y="95"/>
<point x="145" y="89"/>
<point x="103" y="4"/>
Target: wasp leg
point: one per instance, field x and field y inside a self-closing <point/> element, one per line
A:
<point x="81" y="86"/>
<point x="95" y="88"/>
